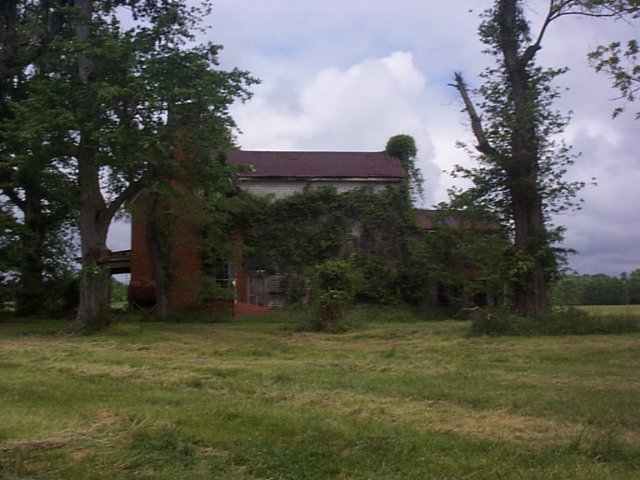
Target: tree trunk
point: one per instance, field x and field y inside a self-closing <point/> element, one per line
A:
<point x="9" y="21"/>
<point x="531" y="290"/>
<point x="522" y="168"/>
<point x="93" y="310"/>
<point x="31" y="296"/>
<point x="94" y="220"/>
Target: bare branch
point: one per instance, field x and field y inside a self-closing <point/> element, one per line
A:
<point x="618" y="9"/>
<point x="483" y="145"/>
<point x="530" y="52"/>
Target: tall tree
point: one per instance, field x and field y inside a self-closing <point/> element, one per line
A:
<point x="128" y="81"/>
<point x="521" y="163"/>
<point x="82" y="95"/>
<point x="37" y="192"/>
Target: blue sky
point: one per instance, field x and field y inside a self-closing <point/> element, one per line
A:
<point x="346" y="75"/>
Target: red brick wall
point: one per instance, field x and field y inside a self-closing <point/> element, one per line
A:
<point x="186" y="264"/>
<point x="142" y="283"/>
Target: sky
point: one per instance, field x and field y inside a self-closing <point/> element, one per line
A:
<point x="348" y="74"/>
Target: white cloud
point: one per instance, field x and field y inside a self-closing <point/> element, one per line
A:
<point x="357" y="108"/>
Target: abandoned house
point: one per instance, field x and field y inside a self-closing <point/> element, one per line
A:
<point x="274" y="175"/>
<point x="264" y="173"/>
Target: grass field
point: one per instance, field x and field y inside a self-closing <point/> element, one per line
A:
<point x="266" y="400"/>
<point x="612" y="309"/>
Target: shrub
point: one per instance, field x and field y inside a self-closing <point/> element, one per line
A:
<point x="63" y="296"/>
<point x="330" y="310"/>
<point x="334" y="285"/>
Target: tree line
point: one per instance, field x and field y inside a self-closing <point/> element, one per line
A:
<point x="598" y="289"/>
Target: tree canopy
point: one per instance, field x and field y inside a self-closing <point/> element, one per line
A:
<point x="92" y="103"/>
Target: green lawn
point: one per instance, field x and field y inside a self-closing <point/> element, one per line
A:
<point x="265" y="400"/>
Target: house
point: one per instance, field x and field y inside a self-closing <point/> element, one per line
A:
<point x="278" y="175"/>
<point x="263" y="173"/>
<point x="281" y="174"/>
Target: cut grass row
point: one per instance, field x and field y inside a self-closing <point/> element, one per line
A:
<point x="263" y="399"/>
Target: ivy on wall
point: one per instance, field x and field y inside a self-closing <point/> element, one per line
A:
<point x="394" y="260"/>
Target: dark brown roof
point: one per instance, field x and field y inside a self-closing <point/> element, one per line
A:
<point x="318" y="164"/>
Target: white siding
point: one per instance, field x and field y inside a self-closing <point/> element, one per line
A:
<point x="284" y="188"/>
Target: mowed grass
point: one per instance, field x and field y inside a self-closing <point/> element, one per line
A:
<point x="262" y="399"/>
<point x="611" y="309"/>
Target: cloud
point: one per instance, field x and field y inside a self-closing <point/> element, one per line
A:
<point x="356" y="108"/>
<point x="263" y="35"/>
<point x="605" y="232"/>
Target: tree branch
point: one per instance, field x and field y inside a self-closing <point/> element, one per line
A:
<point x="13" y="196"/>
<point x="564" y="8"/>
<point x="483" y="145"/>
<point x="531" y="51"/>
<point x="615" y="8"/>
<point x="127" y="194"/>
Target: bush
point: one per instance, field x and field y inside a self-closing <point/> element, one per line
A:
<point x="334" y="287"/>
<point x="569" y="321"/>
<point x="330" y="311"/>
<point x="63" y="296"/>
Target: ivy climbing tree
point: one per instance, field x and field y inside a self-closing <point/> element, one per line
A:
<point x="521" y="167"/>
<point x="404" y="148"/>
